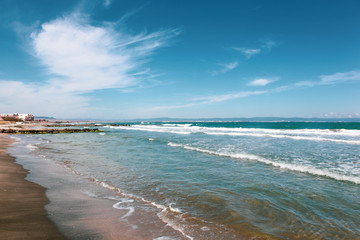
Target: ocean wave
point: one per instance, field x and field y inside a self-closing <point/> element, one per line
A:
<point x="119" y="205"/>
<point x="175" y="130"/>
<point x="308" y="138"/>
<point x="288" y="166"/>
<point x="329" y="132"/>
<point x="31" y="147"/>
<point x="322" y="135"/>
<point x="164" y="238"/>
<point x="165" y="210"/>
<point x="163" y="215"/>
<point x="15" y="138"/>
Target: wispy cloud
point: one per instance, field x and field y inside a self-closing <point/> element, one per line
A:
<point x="340" y="77"/>
<point x="227" y="97"/>
<point x="260" y="82"/>
<point x="107" y="3"/>
<point x="266" y="45"/>
<point x="331" y="79"/>
<point x="210" y="99"/>
<point x="17" y="96"/>
<point x="130" y="13"/>
<point x="336" y="78"/>
<point x="83" y="57"/>
<point x="249" y="52"/>
<point x="225" y="67"/>
<point x="80" y="57"/>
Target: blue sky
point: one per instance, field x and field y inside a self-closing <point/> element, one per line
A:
<point x="113" y="59"/>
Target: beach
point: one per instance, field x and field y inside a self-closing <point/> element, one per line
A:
<point x="58" y="206"/>
<point x="22" y="212"/>
<point x="193" y="180"/>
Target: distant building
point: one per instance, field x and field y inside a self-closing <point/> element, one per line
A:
<point x="26" y="117"/>
<point x="22" y="116"/>
<point x="12" y="115"/>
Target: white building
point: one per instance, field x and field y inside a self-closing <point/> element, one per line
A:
<point x="22" y="116"/>
<point x="26" y="117"/>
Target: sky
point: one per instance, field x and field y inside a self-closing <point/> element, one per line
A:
<point x="115" y="59"/>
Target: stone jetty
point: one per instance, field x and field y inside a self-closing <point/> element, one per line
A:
<point x="47" y="131"/>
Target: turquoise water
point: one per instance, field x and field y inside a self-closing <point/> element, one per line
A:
<point x="276" y="179"/>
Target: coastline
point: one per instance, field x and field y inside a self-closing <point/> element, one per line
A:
<point x="22" y="203"/>
<point x="88" y="198"/>
<point x="78" y="213"/>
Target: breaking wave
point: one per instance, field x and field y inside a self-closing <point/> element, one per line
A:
<point x="343" y="136"/>
<point x="288" y="166"/>
<point x="163" y="214"/>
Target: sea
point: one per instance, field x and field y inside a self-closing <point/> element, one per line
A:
<point x="210" y="180"/>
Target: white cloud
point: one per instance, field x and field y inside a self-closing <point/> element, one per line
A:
<point x="210" y="99"/>
<point x="340" y="77"/>
<point x="107" y="3"/>
<point x="227" y="97"/>
<point x="249" y="52"/>
<point x="266" y="46"/>
<point x="225" y="67"/>
<point x="17" y="96"/>
<point x="306" y="84"/>
<point x="324" y="80"/>
<point x="331" y="79"/>
<point x="79" y="58"/>
<point x="260" y="82"/>
<point x="86" y="57"/>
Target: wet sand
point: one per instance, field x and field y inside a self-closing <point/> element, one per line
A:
<point x="22" y="212"/>
<point x="73" y="212"/>
<point x="77" y="214"/>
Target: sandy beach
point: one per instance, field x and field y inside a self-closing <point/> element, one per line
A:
<point x="70" y="213"/>
<point x="97" y="185"/>
<point x="22" y="213"/>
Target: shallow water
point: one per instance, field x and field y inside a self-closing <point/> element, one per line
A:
<point x="223" y="180"/>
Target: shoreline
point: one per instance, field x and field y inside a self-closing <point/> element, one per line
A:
<point x="88" y="198"/>
<point x="80" y="214"/>
<point x="76" y="210"/>
<point x="22" y="203"/>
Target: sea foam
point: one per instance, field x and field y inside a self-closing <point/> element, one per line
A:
<point x="343" y="136"/>
<point x="162" y="214"/>
<point x="31" y="147"/>
<point x="289" y="166"/>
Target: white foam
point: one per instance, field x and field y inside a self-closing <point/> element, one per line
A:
<point x="159" y="206"/>
<point x="308" y="138"/>
<point x="101" y="133"/>
<point x="120" y="199"/>
<point x="154" y="128"/>
<point x="90" y="194"/>
<point x="131" y="210"/>
<point x="161" y="215"/>
<point x="205" y="229"/>
<point x="293" y="167"/>
<point x="164" y="238"/>
<point x="16" y="138"/>
<point x="169" y="222"/>
<point x="177" y="210"/>
<point x="336" y="136"/>
<point x="173" y="224"/>
<point x="112" y="188"/>
<point x="32" y="147"/>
